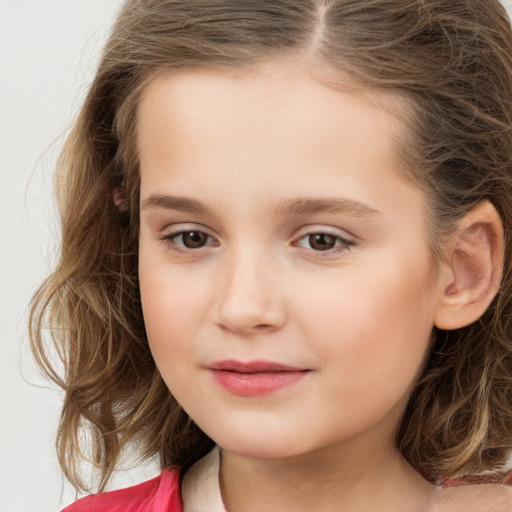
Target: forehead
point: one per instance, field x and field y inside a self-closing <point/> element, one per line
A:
<point x="275" y="120"/>
<point x="265" y="95"/>
<point x="265" y="80"/>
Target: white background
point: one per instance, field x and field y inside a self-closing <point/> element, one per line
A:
<point x="48" y="52"/>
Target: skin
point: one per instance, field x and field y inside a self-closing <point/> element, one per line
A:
<point x="224" y="155"/>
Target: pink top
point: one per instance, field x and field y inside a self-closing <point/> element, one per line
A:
<point x="161" y="494"/>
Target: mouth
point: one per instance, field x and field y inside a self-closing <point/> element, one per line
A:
<point x="255" y="378"/>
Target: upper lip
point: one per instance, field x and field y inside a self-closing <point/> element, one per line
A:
<point x="257" y="366"/>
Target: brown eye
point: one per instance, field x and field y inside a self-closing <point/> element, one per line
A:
<point x="193" y="239"/>
<point x="322" y="241"/>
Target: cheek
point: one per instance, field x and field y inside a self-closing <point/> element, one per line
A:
<point x="371" y="325"/>
<point x="174" y="307"/>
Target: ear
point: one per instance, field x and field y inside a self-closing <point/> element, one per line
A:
<point x="119" y="199"/>
<point x="474" y="268"/>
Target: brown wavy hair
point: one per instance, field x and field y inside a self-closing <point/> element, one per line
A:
<point x="451" y="62"/>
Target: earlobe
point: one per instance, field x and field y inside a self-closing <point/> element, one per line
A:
<point x="475" y="266"/>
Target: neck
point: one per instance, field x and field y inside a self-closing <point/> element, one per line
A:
<point x="332" y="478"/>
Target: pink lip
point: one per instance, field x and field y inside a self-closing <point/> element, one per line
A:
<point x="255" y="378"/>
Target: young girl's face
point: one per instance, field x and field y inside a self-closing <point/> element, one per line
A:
<point x="285" y="273"/>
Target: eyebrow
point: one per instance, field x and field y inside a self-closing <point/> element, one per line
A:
<point x="329" y="205"/>
<point x="182" y="204"/>
<point x="286" y="208"/>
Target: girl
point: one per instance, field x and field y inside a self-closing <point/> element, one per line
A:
<point x="286" y="258"/>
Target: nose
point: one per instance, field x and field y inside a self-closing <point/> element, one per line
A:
<point x="250" y="299"/>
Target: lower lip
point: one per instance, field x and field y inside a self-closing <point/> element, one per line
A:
<point x="256" y="384"/>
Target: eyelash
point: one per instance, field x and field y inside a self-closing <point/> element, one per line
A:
<point x="171" y="244"/>
<point x="341" y="244"/>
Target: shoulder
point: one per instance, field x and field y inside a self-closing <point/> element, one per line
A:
<point x="160" y="493"/>
<point x="474" y="498"/>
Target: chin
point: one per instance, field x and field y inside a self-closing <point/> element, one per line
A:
<point x="263" y="444"/>
<point x="259" y="450"/>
